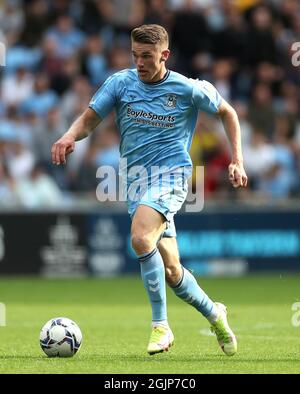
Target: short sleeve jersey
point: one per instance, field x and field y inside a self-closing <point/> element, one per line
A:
<point x="156" y="120"/>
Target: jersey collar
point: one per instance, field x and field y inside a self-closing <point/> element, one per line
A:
<point x="157" y="82"/>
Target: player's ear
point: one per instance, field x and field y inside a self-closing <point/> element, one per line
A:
<point x="165" y="55"/>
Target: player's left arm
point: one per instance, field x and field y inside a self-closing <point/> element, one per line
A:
<point x="236" y="171"/>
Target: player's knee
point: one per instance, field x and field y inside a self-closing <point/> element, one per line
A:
<point x="142" y="243"/>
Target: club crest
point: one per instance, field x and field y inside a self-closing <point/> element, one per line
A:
<point x="171" y="101"/>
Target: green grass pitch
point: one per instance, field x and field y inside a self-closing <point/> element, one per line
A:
<point x="114" y="317"/>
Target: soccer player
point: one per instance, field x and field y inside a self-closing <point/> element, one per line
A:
<point x="156" y="113"/>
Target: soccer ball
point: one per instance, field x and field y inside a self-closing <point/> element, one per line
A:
<point x="60" y="337"/>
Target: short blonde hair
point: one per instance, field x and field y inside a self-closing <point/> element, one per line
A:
<point x="150" y="34"/>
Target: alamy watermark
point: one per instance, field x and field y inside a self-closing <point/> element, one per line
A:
<point x="296" y="315"/>
<point x="296" y="56"/>
<point x="161" y="185"/>
<point x="2" y="54"/>
<point x="2" y="315"/>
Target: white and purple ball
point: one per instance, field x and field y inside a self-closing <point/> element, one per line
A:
<point x="60" y="337"/>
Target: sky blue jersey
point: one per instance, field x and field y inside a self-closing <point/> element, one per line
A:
<point x="156" y="120"/>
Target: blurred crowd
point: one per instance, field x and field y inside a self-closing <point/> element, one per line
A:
<point x="59" y="52"/>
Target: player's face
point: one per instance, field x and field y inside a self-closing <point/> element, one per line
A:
<point x="150" y="61"/>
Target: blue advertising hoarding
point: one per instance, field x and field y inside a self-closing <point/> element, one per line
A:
<point x="98" y="243"/>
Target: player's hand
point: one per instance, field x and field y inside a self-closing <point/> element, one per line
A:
<point x="237" y="175"/>
<point x="63" y="147"/>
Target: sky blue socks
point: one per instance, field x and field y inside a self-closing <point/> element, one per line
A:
<point x="153" y="275"/>
<point x="189" y="291"/>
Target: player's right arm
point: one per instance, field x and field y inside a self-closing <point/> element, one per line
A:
<point x="80" y="129"/>
<point x="100" y="106"/>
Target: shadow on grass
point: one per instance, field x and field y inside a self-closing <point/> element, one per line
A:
<point x="11" y="357"/>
